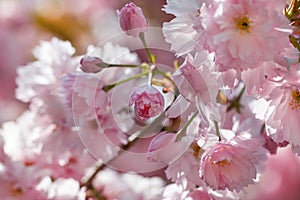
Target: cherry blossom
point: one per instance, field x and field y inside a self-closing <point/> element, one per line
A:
<point x="281" y="111"/>
<point x="115" y="122"/>
<point x="147" y="102"/>
<point x="232" y="165"/>
<point x="237" y="30"/>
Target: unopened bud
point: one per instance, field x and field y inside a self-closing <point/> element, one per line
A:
<point x="91" y="64"/>
<point x="132" y="20"/>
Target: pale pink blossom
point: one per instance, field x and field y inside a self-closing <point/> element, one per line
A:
<point x="61" y="188"/>
<point x="114" y="185"/>
<point x="197" y="78"/>
<point x="38" y="81"/>
<point x="254" y="79"/>
<point x="67" y="158"/>
<point x="20" y="182"/>
<point x="177" y="190"/>
<point x="280" y="179"/>
<point x="188" y="164"/>
<point x="147" y="101"/>
<point x="231" y="164"/>
<point x="21" y="138"/>
<point x="132" y="20"/>
<point x="239" y="30"/>
<point x="281" y="107"/>
<point x="183" y="31"/>
<point x="198" y="82"/>
<point x="80" y="91"/>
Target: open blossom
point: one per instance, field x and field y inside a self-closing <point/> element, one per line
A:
<point x="188" y="134"/>
<point x="231" y="164"/>
<point x="40" y="78"/>
<point x="132" y="20"/>
<point x="128" y="186"/>
<point x="197" y="77"/>
<point x="182" y="32"/>
<point x="148" y="102"/>
<point x="244" y="33"/>
<point x="280" y="179"/>
<point x="254" y="79"/>
<point x="281" y="110"/>
<point x="20" y="182"/>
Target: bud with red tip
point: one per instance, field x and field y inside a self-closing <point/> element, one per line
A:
<point x="148" y="102"/>
<point x="132" y="20"/>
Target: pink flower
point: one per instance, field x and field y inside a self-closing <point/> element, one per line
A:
<point x="80" y="91"/>
<point x="132" y="20"/>
<point x="123" y="186"/>
<point x="148" y="102"/>
<point x="19" y="181"/>
<point x="237" y="30"/>
<point x="62" y="188"/>
<point x="231" y="165"/>
<point x="182" y="32"/>
<point x="91" y="64"/>
<point x="280" y="180"/>
<point x="197" y="77"/>
<point x="255" y="78"/>
<point x="281" y="112"/>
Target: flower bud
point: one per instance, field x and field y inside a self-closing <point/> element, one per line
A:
<point x="148" y="102"/>
<point x="91" y="64"/>
<point x="132" y="20"/>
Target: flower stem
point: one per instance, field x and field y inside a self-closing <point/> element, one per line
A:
<point x="217" y="130"/>
<point x="106" y="88"/>
<point x="124" y="66"/>
<point x="151" y="57"/>
<point x="181" y="133"/>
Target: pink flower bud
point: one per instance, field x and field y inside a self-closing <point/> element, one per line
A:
<point x="132" y="20"/>
<point x="91" y="64"/>
<point x="148" y="102"/>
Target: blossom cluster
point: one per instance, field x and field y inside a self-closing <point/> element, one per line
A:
<point x="110" y="124"/>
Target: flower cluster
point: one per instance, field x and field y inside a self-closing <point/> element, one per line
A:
<point x="118" y="124"/>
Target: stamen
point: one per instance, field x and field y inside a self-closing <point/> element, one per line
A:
<point x="223" y="163"/>
<point x="15" y="191"/>
<point x="295" y="102"/>
<point x="220" y="163"/>
<point x="243" y="24"/>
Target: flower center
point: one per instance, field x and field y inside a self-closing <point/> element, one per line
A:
<point x="222" y="163"/>
<point x="15" y="191"/>
<point x="243" y="24"/>
<point x="145" y="111"/>
<point x="295" y="102"/>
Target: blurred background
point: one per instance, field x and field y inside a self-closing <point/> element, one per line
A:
<point x="23" y="23"/>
